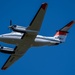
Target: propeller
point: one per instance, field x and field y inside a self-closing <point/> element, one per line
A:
<point x="11" y="25"/>
<point x="10" y="22"/>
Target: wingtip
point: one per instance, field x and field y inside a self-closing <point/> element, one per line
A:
<point x="3" y="68"/>
<point x="44" y="5"/>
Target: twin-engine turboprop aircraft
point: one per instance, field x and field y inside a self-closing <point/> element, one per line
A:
<point x="24" y="38"/>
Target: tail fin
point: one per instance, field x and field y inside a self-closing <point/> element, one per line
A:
<point x="62" y="33"/>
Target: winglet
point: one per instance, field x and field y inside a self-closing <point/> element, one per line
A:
<point x="44" y="6"/>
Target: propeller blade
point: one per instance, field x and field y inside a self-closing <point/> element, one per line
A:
<point x="10" y="22"/>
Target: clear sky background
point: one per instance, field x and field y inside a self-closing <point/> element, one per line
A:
<point x="47" y="60"/>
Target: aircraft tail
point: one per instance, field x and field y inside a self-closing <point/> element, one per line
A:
<point x="62" y="33"/>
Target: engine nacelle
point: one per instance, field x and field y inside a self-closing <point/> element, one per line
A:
<point x="17" y="28"/>
<point x="6" y="50"/>
<point x="22" y="29"/>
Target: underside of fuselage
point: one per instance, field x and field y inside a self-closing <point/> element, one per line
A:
<point x="17" y="41"/>
<point x="43" y="44"/>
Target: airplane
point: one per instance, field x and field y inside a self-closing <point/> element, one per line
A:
<point x="25" y="37"/>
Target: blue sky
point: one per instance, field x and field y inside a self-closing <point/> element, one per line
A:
<point x="47" y="60"/>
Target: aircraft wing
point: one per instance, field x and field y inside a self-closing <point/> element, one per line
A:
<point x="37" y="20"/>
<point x="27" y="39"/>
<point x="20" y="50"/>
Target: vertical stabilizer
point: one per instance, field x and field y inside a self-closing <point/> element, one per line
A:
<point x="62" y="33"/>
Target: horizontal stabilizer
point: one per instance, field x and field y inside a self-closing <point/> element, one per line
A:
<point x="62" y="33"/>
<point x="67" y="27"/>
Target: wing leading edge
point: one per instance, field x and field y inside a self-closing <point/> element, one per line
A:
<point x="27" y="39"/>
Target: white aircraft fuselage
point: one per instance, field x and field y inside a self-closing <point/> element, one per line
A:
<point x="15" y="38"/>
